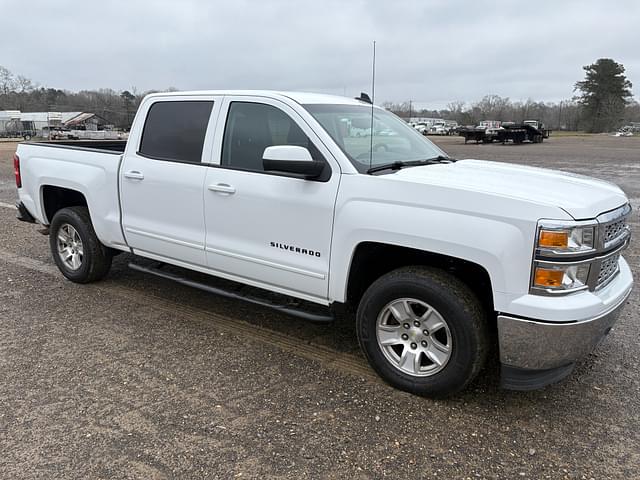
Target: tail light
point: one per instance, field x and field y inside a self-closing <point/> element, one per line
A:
<point x="16" y="170"/>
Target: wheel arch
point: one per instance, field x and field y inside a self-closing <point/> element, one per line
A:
<point x="55" y="198"/>
<point x="371" y="260"/>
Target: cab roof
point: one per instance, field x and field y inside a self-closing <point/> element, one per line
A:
<point x="298" y="97"/>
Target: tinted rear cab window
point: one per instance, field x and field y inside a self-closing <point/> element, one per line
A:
<point x="176" y="130"/>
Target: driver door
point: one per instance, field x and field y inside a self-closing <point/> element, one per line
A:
<point x="270" y="230"/>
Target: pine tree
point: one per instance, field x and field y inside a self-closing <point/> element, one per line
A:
<point x="605" y="94"/>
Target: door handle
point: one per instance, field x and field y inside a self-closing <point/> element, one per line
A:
<point x="222" y="188"/>
<point x="134" y="175"/>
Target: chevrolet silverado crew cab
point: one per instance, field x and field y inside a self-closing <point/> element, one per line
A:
<point x="440" y="259"/>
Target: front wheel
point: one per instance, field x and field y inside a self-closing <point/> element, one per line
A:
<point x="75" y="247"/>
<point x="423" y="331"/>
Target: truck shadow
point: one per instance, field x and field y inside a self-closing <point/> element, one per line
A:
<point x="325" y="342"/>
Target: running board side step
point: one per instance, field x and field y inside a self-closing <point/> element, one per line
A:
<point x="290" y="310"/>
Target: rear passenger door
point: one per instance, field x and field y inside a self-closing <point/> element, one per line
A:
<point x="162" y="176"/>
<point x="267" y="229"/>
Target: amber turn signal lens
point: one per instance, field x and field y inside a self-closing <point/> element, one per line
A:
<point x="550" y="238"/>
<point x="548" y="278"/>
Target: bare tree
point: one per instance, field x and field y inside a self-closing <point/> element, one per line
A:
<point x="7" y="81"/>
<point x="456" y="107"/>
<point x="23" y="84"/>
<point x="493" y="107"/>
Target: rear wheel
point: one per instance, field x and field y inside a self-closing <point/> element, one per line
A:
<point x="423" y="331"/>
<point x="75" y="247"/>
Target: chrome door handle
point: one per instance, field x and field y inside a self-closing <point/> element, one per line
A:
<point x="222" y="188"/>
<point x="134" y="175"/>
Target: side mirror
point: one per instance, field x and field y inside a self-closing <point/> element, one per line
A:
<point x="291" y="159"/>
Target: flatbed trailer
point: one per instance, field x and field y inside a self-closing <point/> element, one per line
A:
<point x="522" y="133"/>
<point x="475" y="135"/>
<point x="517" y="134"/>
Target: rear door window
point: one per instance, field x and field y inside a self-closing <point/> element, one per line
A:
<point x="176" y="130"/>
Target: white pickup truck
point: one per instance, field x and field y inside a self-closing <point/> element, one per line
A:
<point x="441" y="260"/>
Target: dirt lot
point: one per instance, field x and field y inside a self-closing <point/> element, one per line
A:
<point x="135" y="377"/>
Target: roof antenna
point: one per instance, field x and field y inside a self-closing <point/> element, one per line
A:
<point x="373" y="97"/>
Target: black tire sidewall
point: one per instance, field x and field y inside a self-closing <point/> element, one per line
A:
<point x="466" y="340"/>
<point x="78" y="218"/>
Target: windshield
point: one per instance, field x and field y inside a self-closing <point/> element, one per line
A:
<point x="393" y="139"/>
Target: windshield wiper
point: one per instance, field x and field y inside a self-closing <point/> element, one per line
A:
<point x="397" y="165"/>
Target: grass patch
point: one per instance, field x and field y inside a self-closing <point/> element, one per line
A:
<point x="567" y="133"/>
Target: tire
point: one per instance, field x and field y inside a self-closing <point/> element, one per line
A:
<point x="71" y="231"/>
<point x="465" y="331"/>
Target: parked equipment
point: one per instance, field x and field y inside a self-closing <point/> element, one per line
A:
<point x="18" y="129"/>
<point x="532" y="131"/>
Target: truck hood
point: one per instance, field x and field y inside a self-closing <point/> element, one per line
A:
<point x="580" y="196"/>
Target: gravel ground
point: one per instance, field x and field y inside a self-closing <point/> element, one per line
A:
<point x="135" y="377"/>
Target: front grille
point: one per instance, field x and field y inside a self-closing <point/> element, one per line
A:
<point x="614" y="229"/>
<point x="613" y="233"/>
<point x="608" y="268"/>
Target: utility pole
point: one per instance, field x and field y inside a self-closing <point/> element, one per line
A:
<point x="409" y="110"/>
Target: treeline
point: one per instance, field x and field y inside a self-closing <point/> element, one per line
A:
<point x="118" y="108"/>
<point x="564" y="115"/>
<point x="603" y="103"/>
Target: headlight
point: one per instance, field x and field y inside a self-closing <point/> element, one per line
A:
<point x="562" y="240"/>
<point x="571" y="256"/>
<point x="561" y="262"/>
<point x="559" y="277"/>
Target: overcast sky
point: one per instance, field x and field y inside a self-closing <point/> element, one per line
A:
<point x="431" y="52"/>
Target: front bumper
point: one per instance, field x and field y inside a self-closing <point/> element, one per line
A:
<point x="536" y="353"/>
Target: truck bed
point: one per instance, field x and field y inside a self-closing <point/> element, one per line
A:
<point x="102" y="146"/>
<point x="88" y="167"/>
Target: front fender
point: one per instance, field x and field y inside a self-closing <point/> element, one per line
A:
<point x="494" y="233"/>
